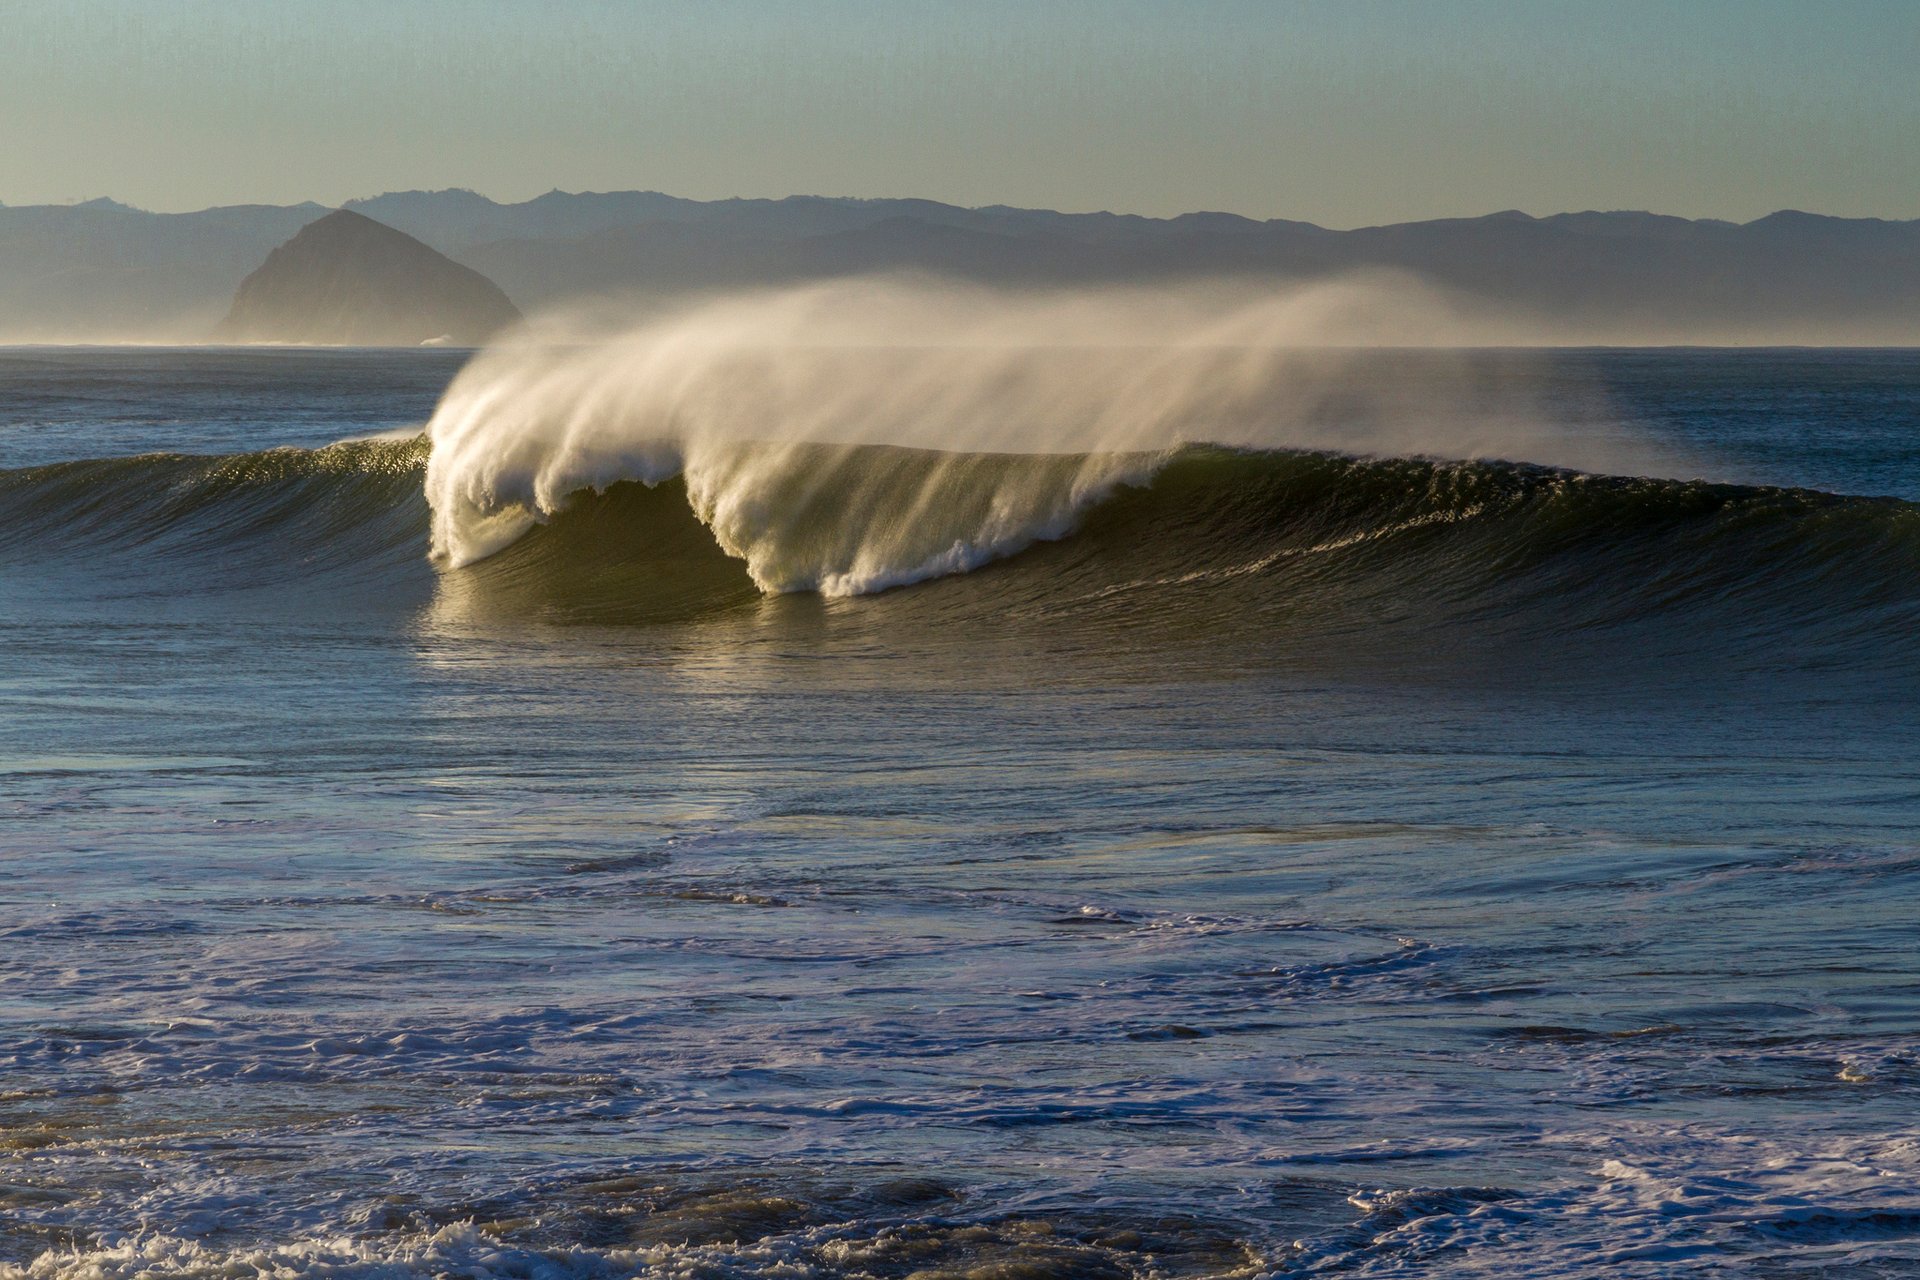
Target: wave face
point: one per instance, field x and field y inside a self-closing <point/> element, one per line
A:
<point x="1492" y="545"/>
<point x="281" y="512"/>
<point x="1385" y="553"/>
<point x="840" y="520"/>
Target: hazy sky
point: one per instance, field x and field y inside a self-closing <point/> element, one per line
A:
<point x="1342" y="112"/>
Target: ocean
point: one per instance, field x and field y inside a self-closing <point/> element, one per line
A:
<point x="531" y="849"/>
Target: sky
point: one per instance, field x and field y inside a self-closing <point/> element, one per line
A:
<point x="1341" y="112"/>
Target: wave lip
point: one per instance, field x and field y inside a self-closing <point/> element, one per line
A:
<point x="840" y="520"/>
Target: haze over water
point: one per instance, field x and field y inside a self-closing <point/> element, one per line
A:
<point x="1213" y="858"/>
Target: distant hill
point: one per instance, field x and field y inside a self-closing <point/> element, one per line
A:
<point x="347" y="279"/>
<point x="109" y="274"/>
<point x="102" y="271"/>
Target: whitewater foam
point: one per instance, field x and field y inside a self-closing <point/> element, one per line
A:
<point x="758" y="400"/>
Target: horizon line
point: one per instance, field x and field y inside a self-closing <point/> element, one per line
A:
<point x="110" y="202"/>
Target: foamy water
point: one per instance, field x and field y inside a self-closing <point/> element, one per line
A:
<point x="764" y="404"/>
<point x="1288" y="866"/>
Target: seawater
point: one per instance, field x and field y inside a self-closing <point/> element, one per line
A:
<point x="1290" y="864"/>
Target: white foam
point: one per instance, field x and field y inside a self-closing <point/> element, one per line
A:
<point x="748" y="397"/>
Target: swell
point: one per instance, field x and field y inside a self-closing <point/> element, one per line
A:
<point x="349" y="512"/>
<point x="1493" y="539"/>
<point x="1200" y="542"/>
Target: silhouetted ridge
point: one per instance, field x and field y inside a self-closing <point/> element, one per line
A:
<point x="104" y="272"/>
<point x="349" y="280"/>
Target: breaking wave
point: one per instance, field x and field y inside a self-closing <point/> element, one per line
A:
<point x="1277" y="541"/>
<point x="1009" y="414"/>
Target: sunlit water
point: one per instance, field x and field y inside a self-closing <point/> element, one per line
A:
<point x="361" y="915"/>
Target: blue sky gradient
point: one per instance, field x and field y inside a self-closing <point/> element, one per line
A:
<point x="1344" y="113"/>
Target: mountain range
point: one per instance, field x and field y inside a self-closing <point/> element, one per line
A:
<point x="102" y="271"/>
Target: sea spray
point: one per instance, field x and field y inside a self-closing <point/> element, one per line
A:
<point x="756" y="399"/>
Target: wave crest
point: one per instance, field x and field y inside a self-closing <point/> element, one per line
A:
<point x="1270" y="551"/>
<point x="774" y="408"/>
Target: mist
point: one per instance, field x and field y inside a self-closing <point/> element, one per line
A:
<point x="766" y="401"/>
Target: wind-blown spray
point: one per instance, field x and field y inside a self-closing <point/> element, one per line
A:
<point x="850" y="436"/>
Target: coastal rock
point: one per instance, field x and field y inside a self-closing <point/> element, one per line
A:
<point x="348" y="280"/>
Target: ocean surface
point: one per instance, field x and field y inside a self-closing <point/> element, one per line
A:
<point x="839" y="859"/>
